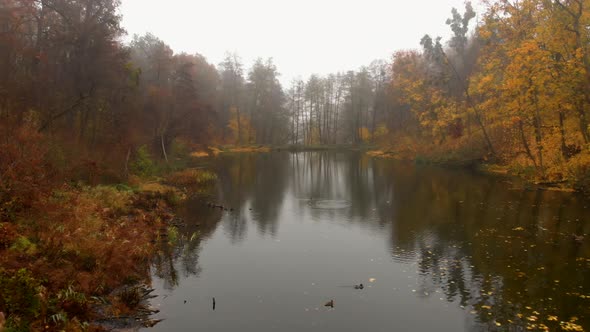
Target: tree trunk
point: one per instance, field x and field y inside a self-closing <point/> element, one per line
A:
<point x="239" y="126"/>
<point x="562" y="133"/>
<point x="126" y="170"/>
<point x="163" y="147"/>
<point x="525" y="143"/>
<point x="539" y="141"/>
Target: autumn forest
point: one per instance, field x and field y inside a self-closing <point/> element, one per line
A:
<point x="510" y="89"/>
<point x="84" y="106"/>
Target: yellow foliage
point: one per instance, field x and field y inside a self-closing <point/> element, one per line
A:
<point x="199" y="154"/>
<point x="244" y="131"/>
<point x="364" y="134"/>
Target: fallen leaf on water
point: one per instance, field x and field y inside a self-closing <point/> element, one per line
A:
<point x="571" y="326"/>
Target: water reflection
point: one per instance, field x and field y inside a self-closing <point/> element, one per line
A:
<point x="181" y="260"/>
<point x="503" y="256"/>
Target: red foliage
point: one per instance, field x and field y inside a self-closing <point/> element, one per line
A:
<point x="25" y="174"/>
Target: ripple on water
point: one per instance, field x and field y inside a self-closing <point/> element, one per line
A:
<point x="329" y="204"/>
<point x="401" y="255"/>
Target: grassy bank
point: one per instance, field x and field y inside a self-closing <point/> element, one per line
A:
<point x="75" y="255"/>
<point x="72" y="258"/>
<point x="214" y="151"/>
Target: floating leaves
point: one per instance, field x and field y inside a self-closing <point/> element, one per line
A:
<point x="571" y="325"/>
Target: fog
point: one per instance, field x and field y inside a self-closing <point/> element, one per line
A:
<point x="303" y="37"/>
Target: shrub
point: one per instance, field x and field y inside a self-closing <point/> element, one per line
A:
<point x="24" y="245"/>
<point x="143" y="164"/>
<point x="578" y="170"/>
<point x="18" y="298"/>
<point x="73" y="303"/>
<point x="192" y="177"/>
<point x="111" y="198"/>
<point x="25" y="173"/>
<point x="173" y="234"/>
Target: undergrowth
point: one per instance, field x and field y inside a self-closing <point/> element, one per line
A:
<point x="65" y="244"/>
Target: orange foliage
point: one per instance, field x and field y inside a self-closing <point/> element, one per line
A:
<point x="87" y="239"/>
<point x="25" y="174"/>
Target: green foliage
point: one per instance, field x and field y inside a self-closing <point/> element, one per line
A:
<point x="124" y="188"/>
<point x="179" y="149"/>
<point x="192" y="177"/>
<point x="19" y="299"/>
<point x="206" y="177"/>
<point x="110" y="197"/>
<point x="178" y="158"/>
<point x="172" y="197"/>
<point x="70" y="294"/>
<point x="143" y="164"/>
<point x="72" y="304"/>
<point x="172" y="235"/>
<point x="24" y="245"/>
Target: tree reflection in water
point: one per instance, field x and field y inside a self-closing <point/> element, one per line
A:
<point x="505" y="254"/>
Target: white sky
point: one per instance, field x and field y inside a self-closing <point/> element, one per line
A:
<point x="302" y="36"/>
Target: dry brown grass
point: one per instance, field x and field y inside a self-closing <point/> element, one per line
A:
<point x="191" y="177"/>
<point x="91" y="240"/>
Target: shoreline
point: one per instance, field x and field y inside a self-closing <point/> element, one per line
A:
<point x="58" y="271"/>
<point x="482" y="167"/>
<point x="372" y="150"/>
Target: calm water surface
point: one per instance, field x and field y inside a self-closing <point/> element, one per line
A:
<point x="436" y="249"/>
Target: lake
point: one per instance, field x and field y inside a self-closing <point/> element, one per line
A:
<point x="435" y="249"/>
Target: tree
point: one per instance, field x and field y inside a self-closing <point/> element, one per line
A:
<point x="266" y="103"/>
<point x="232" y="87"/>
